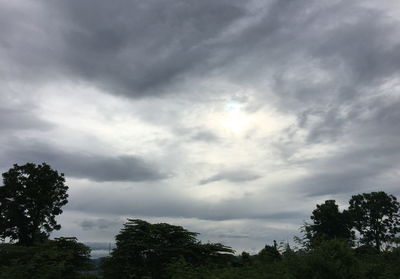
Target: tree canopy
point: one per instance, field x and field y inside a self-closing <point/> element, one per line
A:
<point x="376" y="217"/>
<point x="30" y="199"/>
<point x="329" y="223"/>
<point x="144" y="249"/>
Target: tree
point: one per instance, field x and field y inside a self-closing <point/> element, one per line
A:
<point x="144" y="249"/>
<point x="30" y="199"/>
<point x="376" y="217"/>
<point x="329" y="223"/>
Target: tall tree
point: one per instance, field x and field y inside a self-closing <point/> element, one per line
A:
<point x="145" y="249"/>
<point x="329" y="223"/>
<point x="30" y="199"/>
<point x="376" y="217"/>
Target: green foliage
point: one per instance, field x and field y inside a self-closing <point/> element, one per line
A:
<point x="53" y="259"/>
<point x="391" y="261"/>
<point x="376" y="217"/>
<point x="269" y="253"/>
<point x="329" y="254"/>
<point x="30" y="199"/>
<point x="330" y="260"/>
<point x="333" y="259"/>
<point x="145" y="249"/>
<point x="329" y="223"/>
<point x="245" y="259"/>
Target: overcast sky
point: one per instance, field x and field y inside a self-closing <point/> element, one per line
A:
<point x="230" y="118"/>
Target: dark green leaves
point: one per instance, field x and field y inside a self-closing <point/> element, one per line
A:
<point x="145" y="249"/>
<point x="52" y="259"/>
<point x="376" y="217"/>
<point x="30" y="199"/>
<point x="329" y="223"/>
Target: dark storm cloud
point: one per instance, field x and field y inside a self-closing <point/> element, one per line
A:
<point x="91" y="166"/>
<point x="143" y="45"/>
<point x="235" y="176"/>
<point x="138" y="48"/>
<point x="133" y="48"/>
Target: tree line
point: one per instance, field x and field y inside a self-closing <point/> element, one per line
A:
<point x="373" y="216"/>
<point x="357" y="242"/>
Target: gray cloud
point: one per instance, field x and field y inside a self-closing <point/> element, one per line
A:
<point x="370" y="161"/>
<point x="333" y="66"/>
<point x="196" y="134"/>
<point x="149" y="46"/>
<point x="159" y="201"/>
<point x="13" y="118"/>
<point x="138" y="49"/>
<point x="102" y="246"/>
<point x="92" y="166"/>
<point x="353" y="172"/>
<point x="131" y="48"/>
<point x="98" y="224"/>
<point x="205" y="136"/>
<point x="235" y="176"/>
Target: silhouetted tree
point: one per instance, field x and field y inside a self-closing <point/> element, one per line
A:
<point x="145" y="249"/>
<point x="30" y="199"/>
<point x="376" y="217"/>
<point x="329" y="223"/>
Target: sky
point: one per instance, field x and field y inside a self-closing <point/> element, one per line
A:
<point x="230" y="118"/>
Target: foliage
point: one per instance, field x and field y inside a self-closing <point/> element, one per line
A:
<point x="391" y="260"/>
<point x="52" y="259"/>
<point x="329" y="223"/>
<point x="330" y="260"/>
<point x="330" y="255"/>
<point x="376" y="217"/>
<point x="145" y="249"/>
<point x="269" y="253"/>
<point x="30" y="199"/>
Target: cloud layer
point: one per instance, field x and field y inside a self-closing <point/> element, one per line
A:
<point x="205" y="113"/>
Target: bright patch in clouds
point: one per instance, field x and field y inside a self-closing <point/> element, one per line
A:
<point x="234" y="119"/>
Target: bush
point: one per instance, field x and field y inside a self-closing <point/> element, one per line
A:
<point x="60" y="258"/>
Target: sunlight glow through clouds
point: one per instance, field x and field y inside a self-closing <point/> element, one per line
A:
<point x="234" y="119"/>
